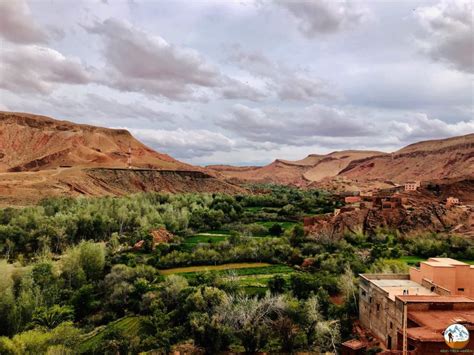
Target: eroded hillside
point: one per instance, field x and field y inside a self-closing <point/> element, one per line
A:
<point x="43" y="157"/>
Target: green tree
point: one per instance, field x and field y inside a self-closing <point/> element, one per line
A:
<point x="277" y="284"/>
<point x="53" y="316"/>
<point x="276" y="230"/>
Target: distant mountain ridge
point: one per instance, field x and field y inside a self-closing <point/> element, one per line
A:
<point x="427" y="160"/>
<point x="314" y="167"/>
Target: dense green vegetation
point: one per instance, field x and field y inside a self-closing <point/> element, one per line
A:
<point x="239" y="274"/>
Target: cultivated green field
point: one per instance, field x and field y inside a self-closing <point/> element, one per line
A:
<point x="204" y="268"/>
<point x="285" y="225"/>
<point x="191" y="242"/>
<point x="131" y="325"/>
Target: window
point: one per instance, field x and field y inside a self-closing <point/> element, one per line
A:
<point x="364" y="293"/>
<point x="432" y="288"/>
<point x="378" y="307"/>
<point x="391" y="325"/>
<point x="461" y="289"/>
<point x="370" y="299"/>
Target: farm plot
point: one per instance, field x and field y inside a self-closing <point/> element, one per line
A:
<point x="204" y="268"/>
<point x="252" y="277"/>
<point x="130" y="325"/>
<point x="285" y="225"/>
<point x="211" y="238"/>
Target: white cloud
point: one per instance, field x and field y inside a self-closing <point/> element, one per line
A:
<point x="449" y="32"/>
<point x="185" y="144"/>
<point x="36" y="69"/>
<point x="420" y="126"/>
<point x="325" y="16"/>
<point x="18" y="25"/>
<point x="294" y="127"/>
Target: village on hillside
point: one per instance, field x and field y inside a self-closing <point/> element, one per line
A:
<point x="403" y="207"/>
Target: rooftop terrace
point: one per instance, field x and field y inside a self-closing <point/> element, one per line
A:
<point x="396" y="288"/>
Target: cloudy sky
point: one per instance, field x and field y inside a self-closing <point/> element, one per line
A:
<point x="245" y="81"/>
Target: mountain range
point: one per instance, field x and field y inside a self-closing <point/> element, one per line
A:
<point x="42" y="156"/>
<point x="427" y="160"/>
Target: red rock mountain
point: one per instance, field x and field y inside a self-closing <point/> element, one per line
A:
<point x="428" y="160"/>
<point x="299" y="172"/>
<point x="31" y="143"/>
<point x="345" y="170"/>
<point x="42" y="157"/>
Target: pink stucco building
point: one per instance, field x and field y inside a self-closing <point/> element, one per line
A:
<point x="445" y="276"/>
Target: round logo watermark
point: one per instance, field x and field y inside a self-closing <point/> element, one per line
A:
<point x="456" y="336"/>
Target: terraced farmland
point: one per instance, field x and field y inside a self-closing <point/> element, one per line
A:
<point x="130" y="325"/>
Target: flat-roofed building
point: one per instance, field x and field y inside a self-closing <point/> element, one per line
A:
<point x="427" y="319"/>
<point x="445" y="276"/>
<point x="412" y="185"/>
<point x="377" y="310"/>
<point x="383" y="299"/>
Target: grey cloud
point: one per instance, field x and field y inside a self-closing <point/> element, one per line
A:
<point x="302" y="87"/>
<point x="137" y="61"/>
<point x="324" y="16"/>
<point x="449" y="33"/>
<point x="93" y="106"/>
<point x="234" y="89"/>
<point x="288" y="83"/>
<point x="111" y="108"/>
<point x="330" y="127"/>
<point x="95" y="109"/>
<point x="414" y="87"/>
<point x="185" y="144"/>
<point x="17" y="25"/>
<point x="159" y="68"/>
<point x="36" y="69"/>
<point x="298" y="127"/>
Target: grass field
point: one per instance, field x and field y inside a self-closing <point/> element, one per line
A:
<point x="259" y="280"/>
<point x="238" y="269"/>
<point x="129" y="325"/>
<point x="204" y="268"/>
<point x="211" y="237"/>
<point x="285" y="225"/>
<point x="205" y="238"/>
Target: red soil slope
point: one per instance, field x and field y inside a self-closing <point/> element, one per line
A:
<point x="42" y="157"/>
<point x="31" y="143"/>
<point x="356" y="170"/>
<point x="429" y="160"/>
<point x="300" y="172"/>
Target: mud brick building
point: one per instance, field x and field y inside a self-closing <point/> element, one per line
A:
<point x="412" y="185"/>
<point x="430" y="298"/>
<point x="445" y="276"/>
